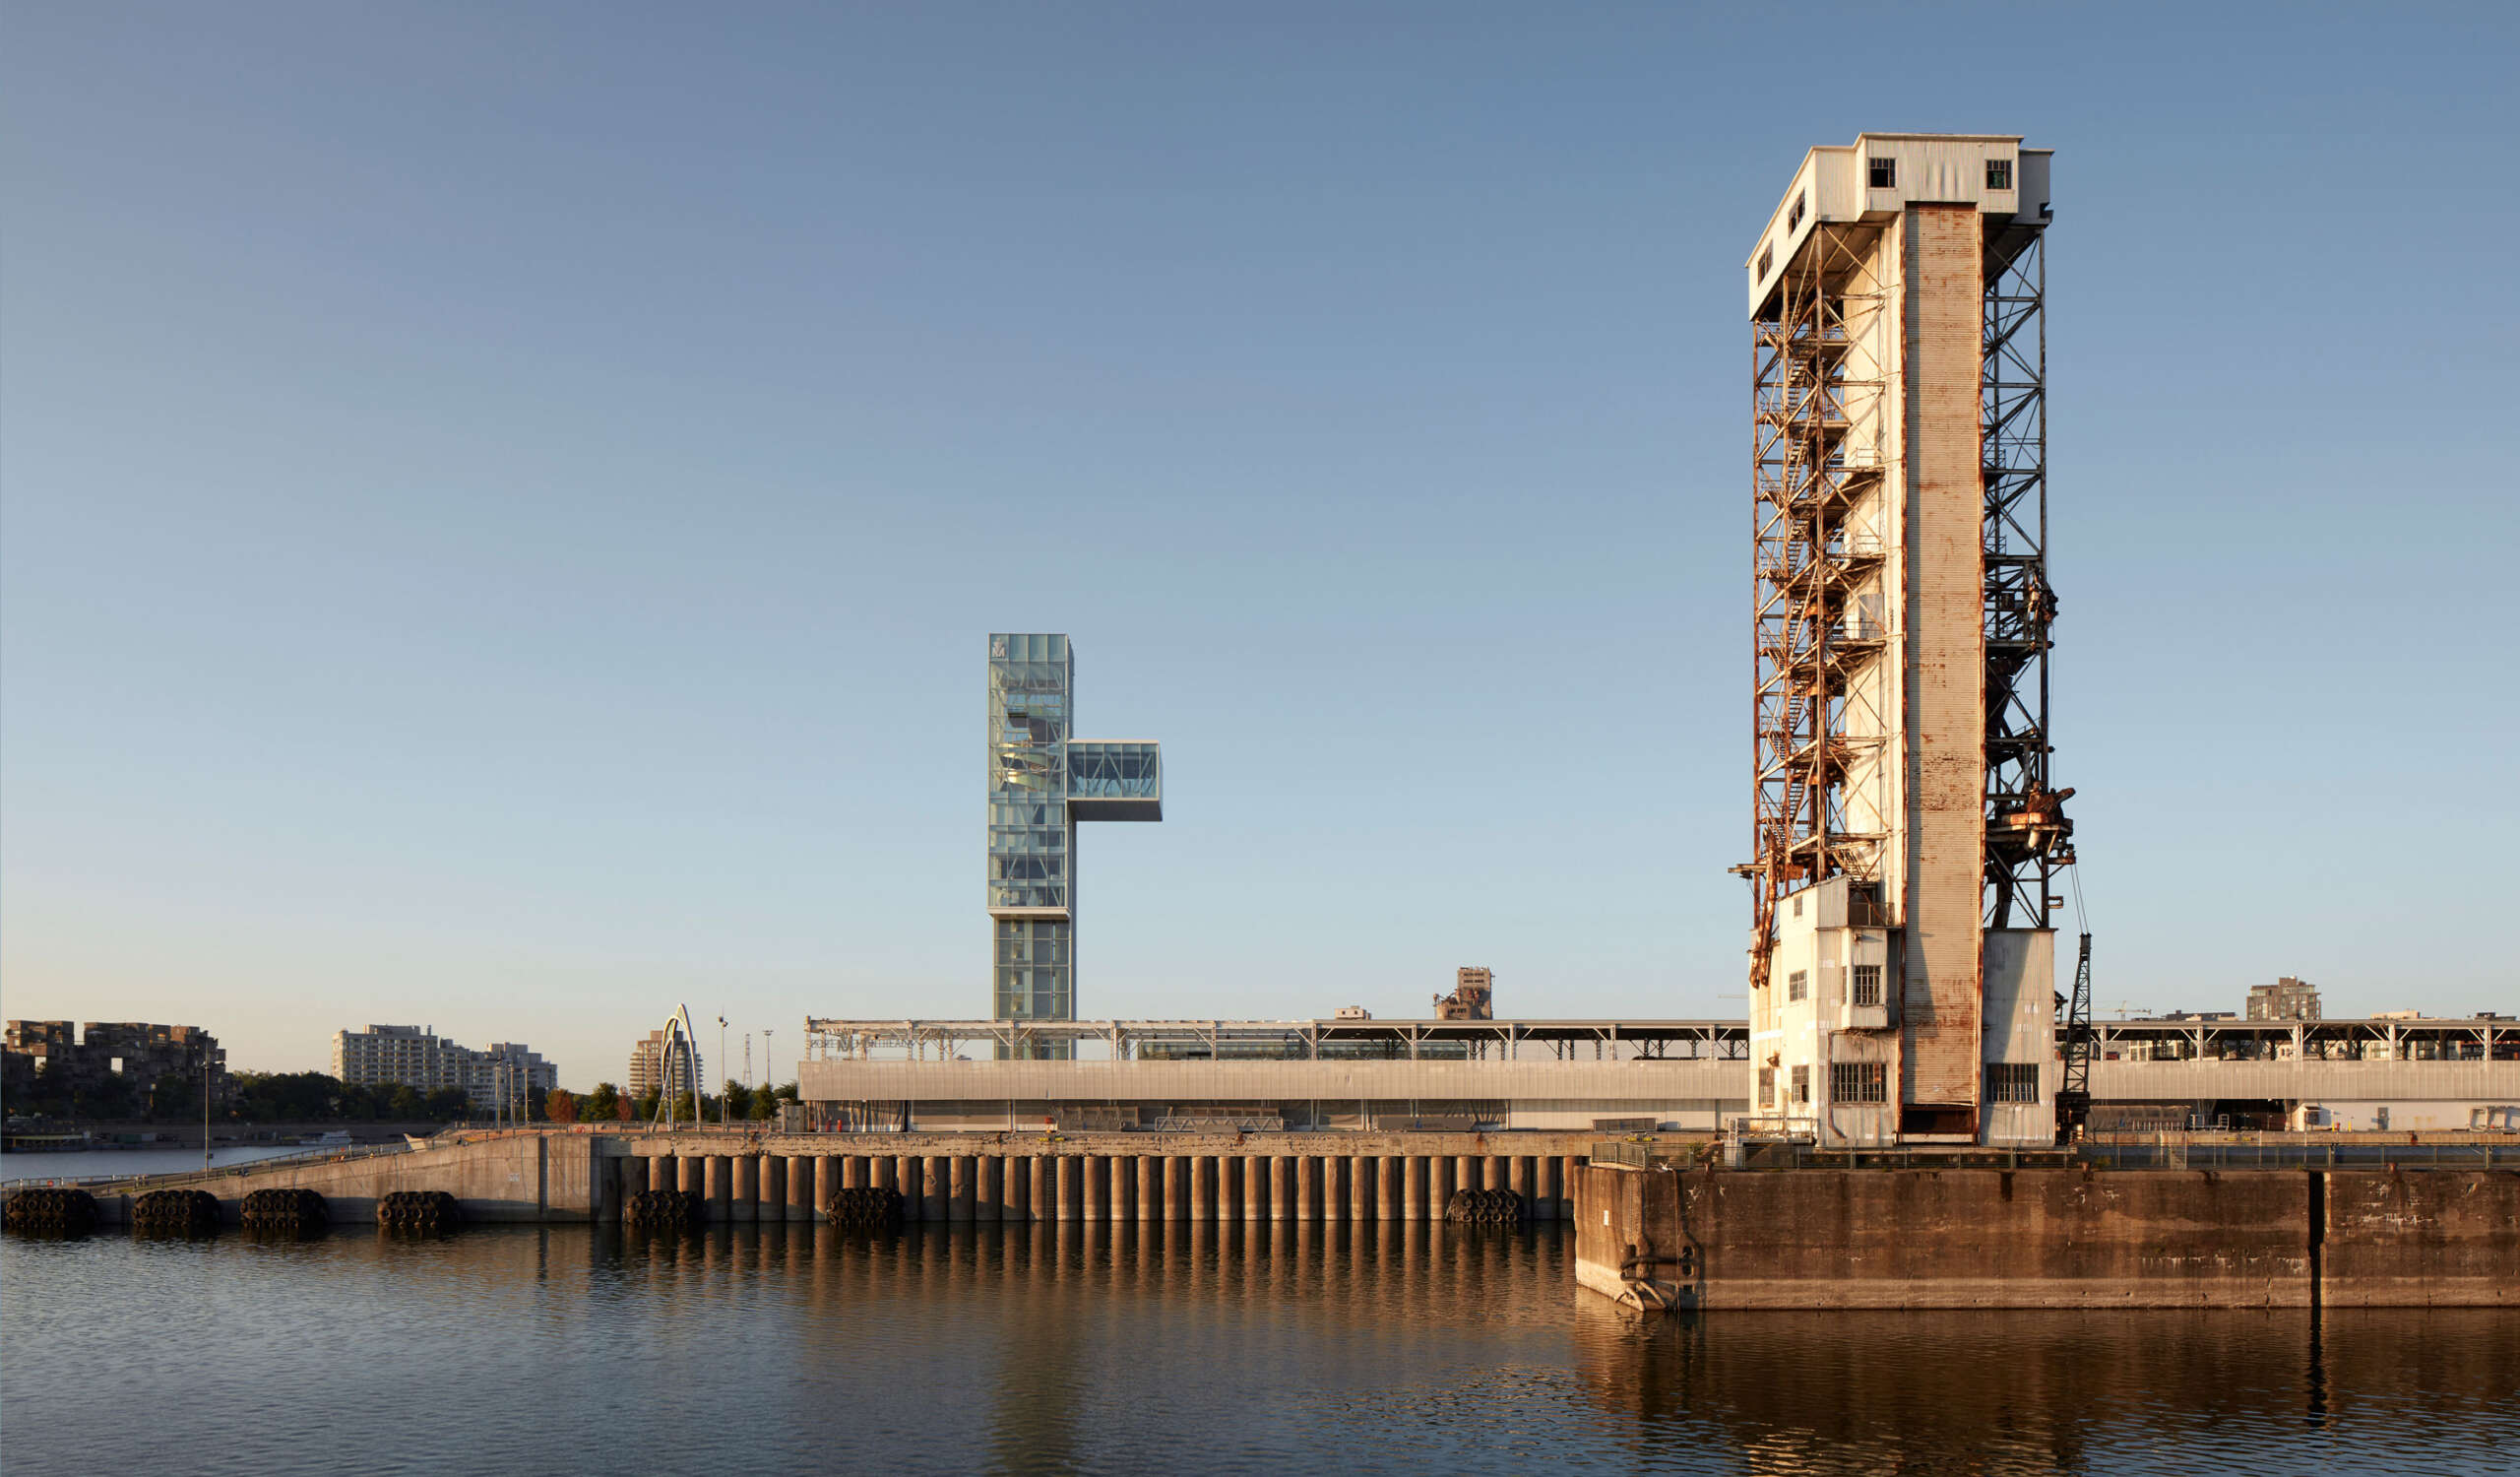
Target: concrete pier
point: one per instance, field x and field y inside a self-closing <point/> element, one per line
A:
<point x="988" y="1194"/>
<point x="804" y="1177"/>
<point x="774" y="1187"/>
<point x="2049" y="1238"/>
<point x="1875" y="1237"/>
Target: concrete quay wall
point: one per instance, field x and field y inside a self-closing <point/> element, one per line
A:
<point x="565" y="1176"/>
<point x="2049" y="1238"/>
<point x="528" y="1177"/>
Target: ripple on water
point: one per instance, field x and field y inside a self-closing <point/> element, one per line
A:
<point x="1072" y="1348"/>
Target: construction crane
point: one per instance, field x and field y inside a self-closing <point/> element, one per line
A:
<point x="2073" y="1098"/>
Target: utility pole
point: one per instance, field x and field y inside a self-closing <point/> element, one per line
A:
<point x="721" y="1066"/>
<point x="768" y="1061"/>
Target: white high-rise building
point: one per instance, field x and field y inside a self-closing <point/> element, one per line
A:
<point x="415" y="1056"/>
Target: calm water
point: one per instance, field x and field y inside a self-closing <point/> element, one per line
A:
<point x="81" y="1164"/>
<point x="1186" y="1347"/>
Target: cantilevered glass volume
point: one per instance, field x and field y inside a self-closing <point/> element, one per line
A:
<point x="1041" y="782"/>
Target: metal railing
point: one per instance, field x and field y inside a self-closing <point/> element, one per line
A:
<point x="183" y="1179"/>
<point x="2167" y="1155"/>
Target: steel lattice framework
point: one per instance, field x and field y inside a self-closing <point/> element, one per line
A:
<point x="2028" y="836"/>
<point x="1808" y="471"/>
<point x="1814" y="462"/>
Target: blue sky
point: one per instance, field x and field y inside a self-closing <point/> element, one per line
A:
<point x="501" y="507"/>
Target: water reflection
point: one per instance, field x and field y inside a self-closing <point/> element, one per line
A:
<point x="1257" y="1346"/>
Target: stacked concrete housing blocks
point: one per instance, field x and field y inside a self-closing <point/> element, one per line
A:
<point x="1903" y="964"/>
<point x="47" y="1059"/>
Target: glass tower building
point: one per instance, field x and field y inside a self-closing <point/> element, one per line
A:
<point x="1041" y="781"/>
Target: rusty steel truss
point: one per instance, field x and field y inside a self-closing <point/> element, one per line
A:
<point x="1811" y="465"/>
<point x="1817" y="458"/>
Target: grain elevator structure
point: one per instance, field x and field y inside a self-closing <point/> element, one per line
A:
<point x="1906" y="834"/>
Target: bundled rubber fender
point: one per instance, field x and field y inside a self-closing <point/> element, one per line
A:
<point x="176" y="1213"/>
<point x="1485" y="1207"/>
<point x="52" y="1210"/>
<point x="865" y="1205"/>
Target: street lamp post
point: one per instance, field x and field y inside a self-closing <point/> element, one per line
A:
<point x="721" y="1066"/>
<point x="768" y="1067"/>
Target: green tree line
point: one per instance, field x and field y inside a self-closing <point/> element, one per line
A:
<point x="608" y="1104"/>
<point x="315" y="1097"/>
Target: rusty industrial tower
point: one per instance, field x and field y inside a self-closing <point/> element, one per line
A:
<point x="1905" y="832"/>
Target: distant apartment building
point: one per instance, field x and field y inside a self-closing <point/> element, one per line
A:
<point x="647" y="1065"/>
<point x="47" y="1059"/>
<point x="417" y="1058"/>
<point x="2287" y="998"/>
<point x="1473" y="996"/>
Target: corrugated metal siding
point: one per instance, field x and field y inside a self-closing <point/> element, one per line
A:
<point x="1942" y="308"/>
<point x="1267" y="1081"/>
<point x="2305" y="1082"/>
<point x="1613" y="1084"/>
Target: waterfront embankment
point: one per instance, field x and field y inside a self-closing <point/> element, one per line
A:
<point x="2080" y="1237"/>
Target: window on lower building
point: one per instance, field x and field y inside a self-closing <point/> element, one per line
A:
<point x="1859" y="1082"/>
<point x="1868" y="984"/>
<point x="1798" y="984"/>
<point x="1767" y="1087"/>
<point x="1802" y="1084"/>
<point x="1999" y="174"/>
<point x="1767" y="259"/>
<point x="1885" y="173"/>
<point x="2012" y="1081"/>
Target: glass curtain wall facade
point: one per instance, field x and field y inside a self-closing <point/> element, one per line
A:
<point x="1041" y="781"/>
<point x="1032" y="841"/>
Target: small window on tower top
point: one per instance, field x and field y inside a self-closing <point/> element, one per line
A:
<point x="1999" y="174"/>
<point x="1885" y="173"/>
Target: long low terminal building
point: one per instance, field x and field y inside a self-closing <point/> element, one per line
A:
<point x="1669" y="1076"/>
